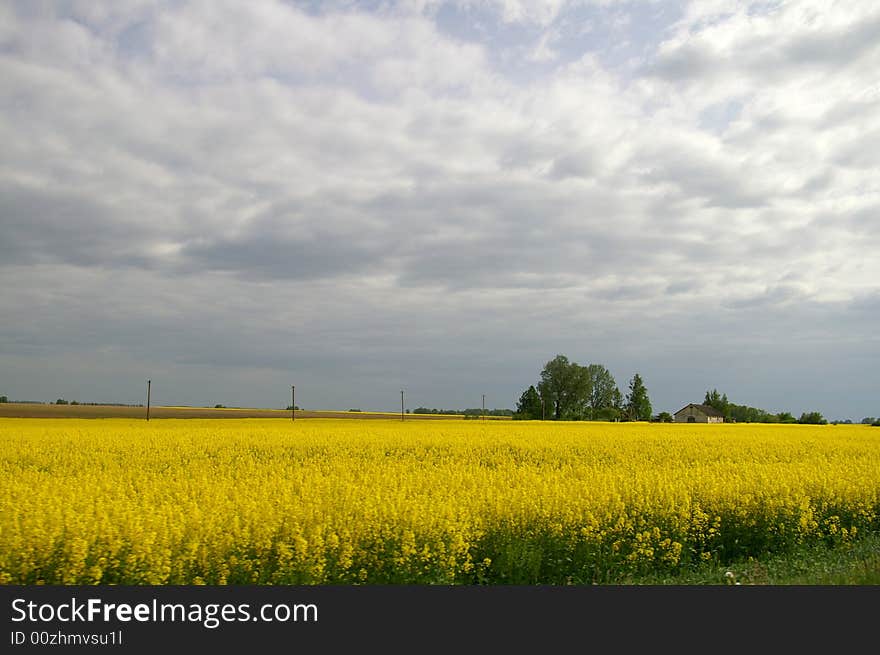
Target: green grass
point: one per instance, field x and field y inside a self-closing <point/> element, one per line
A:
<point x="857" y="563"/>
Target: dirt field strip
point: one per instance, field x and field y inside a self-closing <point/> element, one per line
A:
<point x="36" y="410"/>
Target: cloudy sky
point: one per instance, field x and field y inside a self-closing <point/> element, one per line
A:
<point x="357" y="198"/>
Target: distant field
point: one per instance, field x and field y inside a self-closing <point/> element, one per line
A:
<point x="257" y="501"/>
<point x="29" y="410"/>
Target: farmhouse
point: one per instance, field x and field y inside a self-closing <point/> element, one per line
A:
<point x="694" y="413"/>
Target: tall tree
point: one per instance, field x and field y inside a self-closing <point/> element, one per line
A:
<point x="638" y="406"/>
<point x="618" y="400"/>
<point x="786" y="417"/>
<point x="718" y="401"/>
<point x="814" y="418"/>
<point x="565" y="387"/>
<point x="602" y="388"/>
<point x="529" y="405"/>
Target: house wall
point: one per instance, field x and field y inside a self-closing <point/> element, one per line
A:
<point x="699" y="417"/>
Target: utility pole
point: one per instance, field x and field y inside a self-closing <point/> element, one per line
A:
<point x="148" y="399"/>
<point x="292" y="402"/>
<point x="401" y="404"/>
<point x="484" y="407"/>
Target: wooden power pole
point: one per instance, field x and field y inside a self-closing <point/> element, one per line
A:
<point x="401" y="404"/>
<point x="148" y="399"/>
<point x="292" y="402"/>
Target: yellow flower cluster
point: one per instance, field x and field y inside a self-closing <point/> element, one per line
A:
<point x="268" y="501"/>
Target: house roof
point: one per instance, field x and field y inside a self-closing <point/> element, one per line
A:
<point x="708" y="410"/>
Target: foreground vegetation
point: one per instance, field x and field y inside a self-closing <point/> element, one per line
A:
<point x="266" y="501"/>
<point x="855" y="563"/>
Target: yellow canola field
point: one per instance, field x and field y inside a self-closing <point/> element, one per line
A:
<point x="268" y="501"/>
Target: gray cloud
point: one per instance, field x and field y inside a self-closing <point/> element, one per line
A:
<point x="719" y="184"/>
<point x="775" y="296"/>
<point x="574" y="164"/>
<point x="266" y="255"/>
<point x="769" y="43"/>
<point x="362" y="199"/>
<point x="67" y="226"/>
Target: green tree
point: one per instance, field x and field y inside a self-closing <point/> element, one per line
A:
<point x="665" y="417"/>
<point x="602" y="388"/>
<point x="618" y="400"/>
<point x="638" y="406"/>
<point x="529" y="405"/>
<point x="746" y="414"/>
<point x="812" y="418"/>
<point x="718" y="401"/>
<point x="4" y="399"/>
<point x="565" y="388"/>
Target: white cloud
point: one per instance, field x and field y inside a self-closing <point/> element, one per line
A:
<point x="344" y="175"/>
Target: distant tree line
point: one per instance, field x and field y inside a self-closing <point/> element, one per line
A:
<point x="568" y="391"/>
<point x="62" y="401"/>
<point x="471" y="411"/>
<point x="746" y="414"/>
